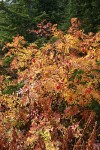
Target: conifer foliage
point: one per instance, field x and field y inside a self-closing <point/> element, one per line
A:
<point x="19" y="16"/>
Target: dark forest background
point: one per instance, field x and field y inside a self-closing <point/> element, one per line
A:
<point x="18" y="16"/>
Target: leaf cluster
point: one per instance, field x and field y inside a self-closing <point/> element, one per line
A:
<point x="53" y="103"/>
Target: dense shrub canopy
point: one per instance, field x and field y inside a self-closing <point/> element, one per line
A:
<point x="49" y="92"/>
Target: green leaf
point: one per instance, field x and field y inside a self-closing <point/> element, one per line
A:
<point x="77" y="73"/>
<point x="62" y="106"/>
<point x="53" y="40"/>
<point x="95" y="106"/>
<point x="11" y="89"/>
<point x="98" y="62"/>
<point x="8" y="60"/>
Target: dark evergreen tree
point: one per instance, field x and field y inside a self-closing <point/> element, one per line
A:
<point x="18" y="16"/>
<point x="87" y="11"/>
<point x="90" y="14"/>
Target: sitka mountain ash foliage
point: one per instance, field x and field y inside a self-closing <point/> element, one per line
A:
<point x="50" y="92"/>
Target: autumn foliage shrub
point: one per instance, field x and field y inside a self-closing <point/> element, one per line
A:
<point x="54" y="102"/>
